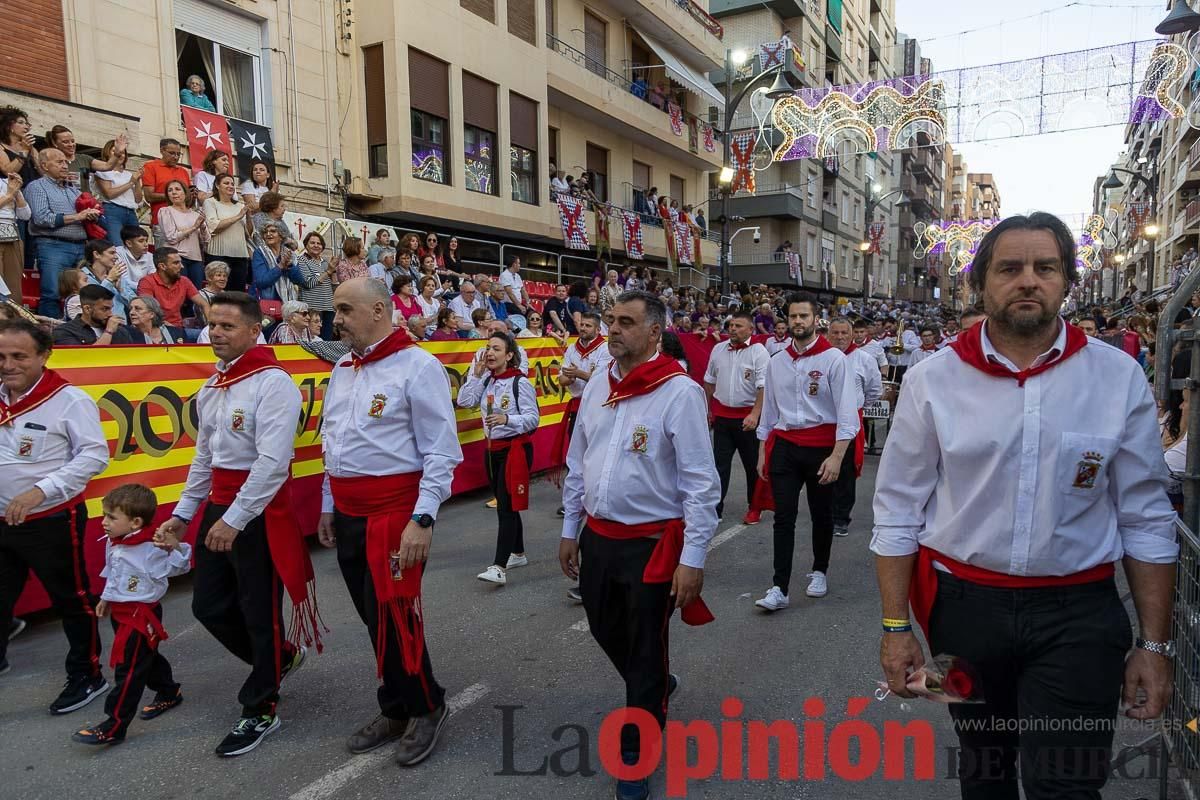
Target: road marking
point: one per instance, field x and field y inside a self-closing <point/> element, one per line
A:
<point x="358" y="766"/>
<point x="718" y="540"/>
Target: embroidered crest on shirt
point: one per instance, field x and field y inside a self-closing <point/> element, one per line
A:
<point x="1087" y="470"/>
<point x="641" y="439"/>
<point x="378" y="403"/>
<point x="132" y="584"/>
<point x="25" y="447"/>
<point x="239" y="420"/>
<point x="748" y="374"/>
<point x="504" y="403"/>
<point x="814" y="384"/>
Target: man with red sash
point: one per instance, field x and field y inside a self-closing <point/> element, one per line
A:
<point x="1004" y="499"/>
<point x="809" y="420"/>
<point x="391" y="446"/>
<point x="249" y="547"/>
<point x="642" y="485"/>
<point x="868" y="387"/>
<point x="51" y="445"/>
<point x="587" y="357"/>
<point x="733" y="382"/>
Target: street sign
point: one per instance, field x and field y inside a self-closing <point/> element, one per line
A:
<point x="877" y="409"/>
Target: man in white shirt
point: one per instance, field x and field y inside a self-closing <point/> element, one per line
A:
<point x="135" y="253"/>
<point x="586" y="358"/>
<point x="391" y="446"/>
<point x="899" y="362"/>
<point x="516" y="299"/>
<point x="734" y="381"/>
<point x="868" y="387"/>
<point x="930" y="344"/>
<point x="638" y="469"/>
<point x="249" y="547"/>
<point x="51" y="446"/>
<point x="468" y="300"/>
<point x="779" y="340"/>
<point x="809" y="420"/>
<point x="872" y="346"/>
<point x="1012" y="516"/>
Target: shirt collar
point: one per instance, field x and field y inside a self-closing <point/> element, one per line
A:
<point x="368" y="350"/>
<point x="13" y="401"/>
<point x="616" y="368"/>
<point x="1056" y="349"/>
<point x="224" y="367"/>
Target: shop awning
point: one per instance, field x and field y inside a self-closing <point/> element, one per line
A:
<point x="681" y="72"/>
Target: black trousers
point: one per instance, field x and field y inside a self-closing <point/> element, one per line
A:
<point x="143" y="667"/>
<point x="510" y="535"/>
<point x="238" y="597"/>
<point x="729" y="438"/>
<point x="401" y="695"/>
<point x="53" y="549"/>
<point x="1049" y="659"/>
<point x="843" y="490"/>
<point x="793" y="468"/>
<point x="630" y="620"/>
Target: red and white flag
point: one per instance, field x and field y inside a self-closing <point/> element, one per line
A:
<point x="683" y="242"/>
<point x="205" y="131"/>
<point x="676" y="114"/>
<point x="631" y="224"/>
<point x="574" y="223"/>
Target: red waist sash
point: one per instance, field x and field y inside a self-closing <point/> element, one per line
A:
<point x="663" y="561"/>
<point x="860" y="446"/>
<point x="516" y="468"/>
<point x="387" y="501"/>
<point x="69" y="507"/>
<point x="923" y="588"/>
<point x="819" y="436"/>
<point x="289" y="553"/>
<point x="134" y="619"/>
<point x="723" y="411"/>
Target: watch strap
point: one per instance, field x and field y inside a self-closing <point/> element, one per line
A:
<point x="1159" y="648"/>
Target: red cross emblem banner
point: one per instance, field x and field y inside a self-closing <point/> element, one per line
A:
<point x="205" y="131"/>
<point x="683" y="242"/>
<point x="631" y="225"/>
<point x="574" y="224"/>
<point x="710" y="144"/>
<point x="741" y="147"/>
<point x="676" y="114"/>
<point x="875" y="234"/>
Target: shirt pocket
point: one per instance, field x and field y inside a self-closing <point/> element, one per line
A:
<point x="644" y="438"/>
<point x="31" y="444"/>
<point x="240" y="419"/>
<point x="1083" y="461"/>
<point x="381" y="404"/>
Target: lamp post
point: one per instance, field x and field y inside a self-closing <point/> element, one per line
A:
<point x="873" y="202"/>
<point x="779" y="89"/>
<point x="1150" y="231"/>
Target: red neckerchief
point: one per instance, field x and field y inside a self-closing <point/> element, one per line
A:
<point x="929" y="348"/>
<point x="508" y="373"/>
<point x="397" y="341"/>
<point x="850" y="349"/>
<point x="140" y="536"/>
<point x="969" y="346"/>
<point x="50" y="384"/>
<point x="255" y="360"/>
<point x="642" y="379"/>
<point x="733" y="348"/>
<point x="584" y="352"/>
<point x="781" y="339"/>
<point x="819" y="346"/>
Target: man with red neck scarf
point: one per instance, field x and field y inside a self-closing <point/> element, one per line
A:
<point x="868" y="387"/>
<point x="249" y="548"/>
<point x="930" y="344"/>
<point x="391" y="446"/>
<point x="642" y="485"/>
<point x="1007" y="496"/>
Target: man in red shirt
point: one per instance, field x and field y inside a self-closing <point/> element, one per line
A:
<point x="168" y="286"/>
<point x="157" y="173"/>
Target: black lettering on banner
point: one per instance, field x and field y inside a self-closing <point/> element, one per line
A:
<point x="120" y="409"/>
<point x="143" y="432"/>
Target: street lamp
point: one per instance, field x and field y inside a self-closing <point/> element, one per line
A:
<point x="1181" y="20"/>
<point x="873" y="201"/>
<point x="1151" y="184"/>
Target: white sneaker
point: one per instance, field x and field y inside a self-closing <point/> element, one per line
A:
<point x="515" y="560"/>
<point x="774" y="601"/>
<point x="818" y="586"/>
<point x="493" y="574"/>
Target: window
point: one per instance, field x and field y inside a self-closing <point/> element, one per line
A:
<point x="677" y="189"/>
<point x="551" y="24"/>
<point x="845" y="261"/>
<point x="641" y="187"/>
<point x="484" y="8"/>
<point x="523" y="128"/>
<point x="597" y="167"/>
<point x="811" y="253"/>
<point x="479" y="134"/>
<point x="429" y="90"/>
<point x="857" y="211"/>
<point x="552" y="140"/>
<point x="810" y="187"/>
<point x="223" y="48"/>
<point x="595" y="43"/>
<point x="845" y="208"/>
<point x="522" y="20"/>
<point x="376" y="102"/>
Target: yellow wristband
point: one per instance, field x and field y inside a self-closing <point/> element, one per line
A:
<point x="895" y="623"/>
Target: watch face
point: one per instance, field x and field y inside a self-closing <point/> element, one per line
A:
<point x="425" y="521"/>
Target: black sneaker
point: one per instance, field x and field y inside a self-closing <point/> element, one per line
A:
<point x="247" y="734"/>
<point x="106" y="732"/>
<point x="574" y="594"/>
<point x="78" y="693"/>
<point x="15" y="628"/>
<point x="421" y="736"/>
<point x="162" y="703"/>
<point x="294" y="663"/>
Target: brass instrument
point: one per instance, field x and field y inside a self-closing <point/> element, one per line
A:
<point x="23" y="312"/>
<point x="897" y="348"/>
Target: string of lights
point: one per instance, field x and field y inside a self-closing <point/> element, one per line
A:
<point x="1054" y="10"/>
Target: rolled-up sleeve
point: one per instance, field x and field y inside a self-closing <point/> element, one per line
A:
<point x="687" y="425"/>
<point x="436" y="434"/>
<point x="841" y="376"/>
<point x="908" y="473"/>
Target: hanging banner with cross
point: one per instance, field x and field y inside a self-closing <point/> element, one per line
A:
<point x="741" y="148"/>
<point x="1139" y="213"/>
<point x="676" y="114"/>
<point x="631" y="225"/>
<point x="710" y="144"/>
<point x="205" y="131"/>
<point x="602" y="241"/>
<point x="574" y="225"/>
<point x="793" y="260"/>
<point x="302" y="225"/>
<point x="771" y="54"/>
<point x="875" y="234"/>
<point x="683" y="242"/>
<point x="364" y="230"/>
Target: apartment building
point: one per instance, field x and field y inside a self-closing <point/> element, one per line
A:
<point x="427" y="116"/>
<point x="818" y="205"/>
<point x="983" y="196"/>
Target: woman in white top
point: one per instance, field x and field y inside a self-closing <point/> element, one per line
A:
<point x="120" y="192"/>
<point x="215" y="163"/>
<point x="225" y="214"/>
<point x="258" y="184"/>
<point x="183" y="227"/>
<point x="430" y="305"/>
<point x="12" y="250"/>
<point x="1176" y="455"/>
<point x="507" y="402"/>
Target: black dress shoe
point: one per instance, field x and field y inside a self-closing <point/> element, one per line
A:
<point x="421" y="737"/>
<point x="376" y="733"/>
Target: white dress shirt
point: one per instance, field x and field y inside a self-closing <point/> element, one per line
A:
<point x="868" y="383"/>
<point x="57" y="447"/>
<point x="512" y="280"/>
<point x="737" y="375"/>
<point x="139" y="573"/>
<point x="250" y="425"/>
<point x="788" y="404"/>
<point x="594" y="362"/>
<point x="500" y="396"/>
<point x="920" y="354"/>
<point x="646" y="459"/>
<point x="874" y="347"/>
<point x="482" y="352"/>
<point x="774" y="345"/>
<point x="138" y="267"/>
<point x="1032" y="480"/>
<point x="391" y="417"/>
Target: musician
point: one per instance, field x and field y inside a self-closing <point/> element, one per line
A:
<point x="868" y="387"/>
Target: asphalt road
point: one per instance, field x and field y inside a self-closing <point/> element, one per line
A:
<point x="524" y="645"/>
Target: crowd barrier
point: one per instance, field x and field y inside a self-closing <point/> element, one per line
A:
<point x="146" y="397"/>
<point x="1182" y="739"/>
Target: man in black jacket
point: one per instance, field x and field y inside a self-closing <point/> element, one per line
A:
<point x="96" y="324"/>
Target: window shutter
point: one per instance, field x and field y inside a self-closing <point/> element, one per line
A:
<point x="428" y="84"/>
<point x="641" y="175"/>
<point x="595" y="34"/>
<point x="522" y="20"/>
<point x="484" y="8"/>
<point x="597" y="159"/>
<point x="374" y="89"/>
<point x="523" y="121"/>
<point x="677" y="189"/>
<point x="479" y="102"/>
<point x="220" y="25"/>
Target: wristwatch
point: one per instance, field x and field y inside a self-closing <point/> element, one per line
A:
<point x="424" y="520"/>
<point x="1165" y="649"/>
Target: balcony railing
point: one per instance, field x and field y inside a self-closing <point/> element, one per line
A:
<point x="639" y="91"/>
<point x="1194" y="155"/>
<point x="636" y="207"/>
<point x="703" y="17"/>
<point x="1191" y="214"/>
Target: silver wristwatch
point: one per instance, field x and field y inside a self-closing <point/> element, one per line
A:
<point x="1165" y="649"/>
